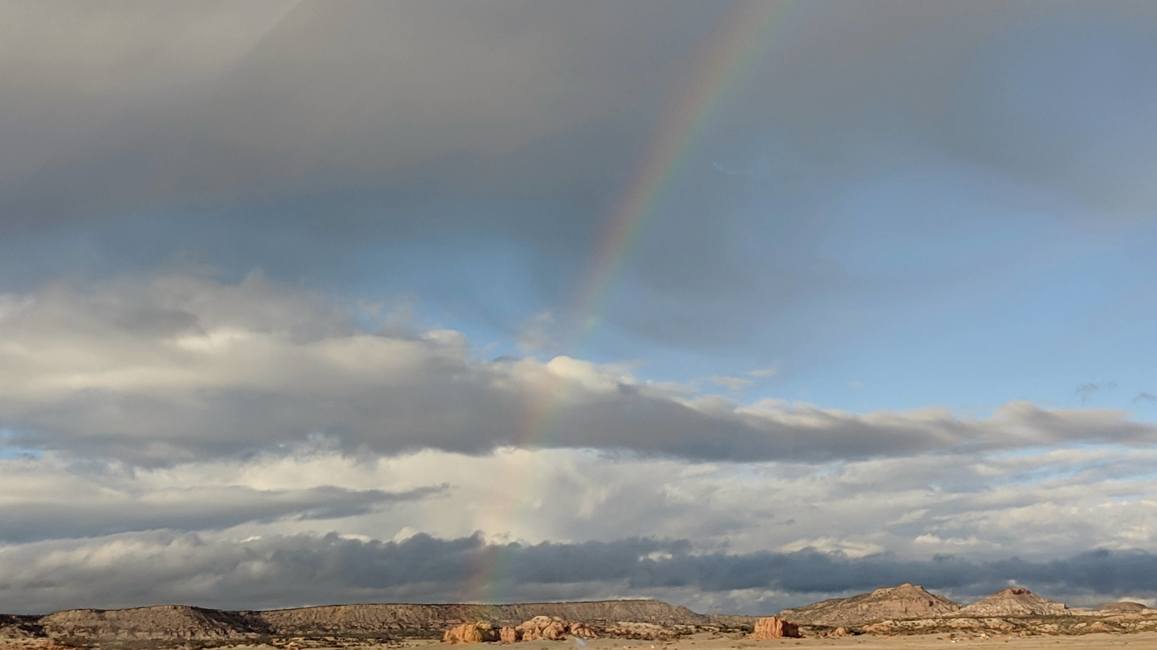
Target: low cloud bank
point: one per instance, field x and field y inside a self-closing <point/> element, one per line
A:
<point x="134" y="569"/>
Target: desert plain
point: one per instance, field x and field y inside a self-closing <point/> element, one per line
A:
<point x="901" y="616"/>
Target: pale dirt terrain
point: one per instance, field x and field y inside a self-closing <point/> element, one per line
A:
<point x="1139" y="641"/>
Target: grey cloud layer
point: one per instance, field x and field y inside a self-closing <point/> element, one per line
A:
<point x="291" y="570"/>
<point x="301" y="97"/>
<point x="183" y="367"/>
<point x="191" y="509"/>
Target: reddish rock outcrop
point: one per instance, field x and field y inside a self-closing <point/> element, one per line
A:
<point x="552" y="628"/>
<point x="773" y="627"/>
<point x="479" y="632"/>
<point x="508" y="634"/>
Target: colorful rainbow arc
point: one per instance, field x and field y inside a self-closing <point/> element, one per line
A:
<point x="726" y="58"/>
<point x="741" y="36"/>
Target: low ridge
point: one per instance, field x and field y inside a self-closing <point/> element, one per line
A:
<point x="899" y="602"/>
<point x="380" y="620"/>
<point x="156" y="622"/>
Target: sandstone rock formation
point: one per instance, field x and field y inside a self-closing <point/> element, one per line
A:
<point x="772" y="627"/>
<point x="1015" y="601"/>
<point x="552" y="628"/>
<point x="543" y="628"/>
<point x="899" y="602"/>
<point x="478" y="632"/>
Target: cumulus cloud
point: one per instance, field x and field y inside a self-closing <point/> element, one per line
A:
<point x="988" y="506"/>
<point x="184" y="366"/>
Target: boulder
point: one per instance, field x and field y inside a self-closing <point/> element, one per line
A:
<point x="773" y="627"/>
<point x="509" y="634"/>
<point x="479" y="632"/>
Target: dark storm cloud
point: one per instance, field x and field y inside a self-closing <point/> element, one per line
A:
<point x="507" y="100"/>
<point x="290" y="570"/>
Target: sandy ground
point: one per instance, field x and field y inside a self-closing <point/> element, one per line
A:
<point x="1142" y="641"/>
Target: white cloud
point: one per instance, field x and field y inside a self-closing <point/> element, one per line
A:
<point x="181" y="366"/>
<point x="135" y="397"/>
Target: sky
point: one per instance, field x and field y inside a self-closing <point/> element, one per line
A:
<point x="738" y="304"/>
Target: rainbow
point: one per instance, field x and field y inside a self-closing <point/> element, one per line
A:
<point x="739" y="38"/>
<point x="724" y="60"/>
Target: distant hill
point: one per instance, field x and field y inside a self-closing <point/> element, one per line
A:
<point x="1015" y="601"/>
<point x="158" y="622"/>
<point x="1122" y="606"/>
<point x="887" y="603"/>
